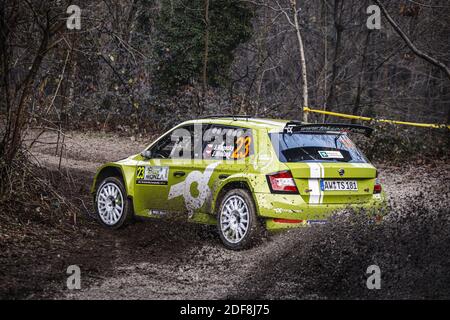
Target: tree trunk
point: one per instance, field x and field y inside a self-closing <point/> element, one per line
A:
<point x="359" y="90"/>
<point x="302" y="60"/>
<point x="337" y="48"/>
<point x="205" y="54"/>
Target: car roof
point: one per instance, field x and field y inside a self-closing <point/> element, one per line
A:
<point x="255" y="123"/>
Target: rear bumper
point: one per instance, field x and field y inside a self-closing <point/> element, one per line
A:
<point x="278" y="207"/>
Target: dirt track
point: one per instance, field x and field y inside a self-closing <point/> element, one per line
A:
<point x="178" y="260"/>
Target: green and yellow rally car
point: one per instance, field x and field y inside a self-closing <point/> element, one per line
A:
<point x="242" y="174"/>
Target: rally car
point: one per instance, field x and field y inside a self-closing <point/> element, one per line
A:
<point x="242" y="174"/>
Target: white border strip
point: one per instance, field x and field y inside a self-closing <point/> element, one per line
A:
<point x="316" y="173"/>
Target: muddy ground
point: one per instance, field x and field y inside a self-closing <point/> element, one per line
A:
<point x="179" y="260"/>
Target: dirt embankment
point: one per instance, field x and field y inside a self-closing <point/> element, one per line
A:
<point x="178" y="260"/>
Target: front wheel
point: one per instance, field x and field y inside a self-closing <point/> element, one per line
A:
<point x="237" y="222"/>
<point x="111" y="203"/>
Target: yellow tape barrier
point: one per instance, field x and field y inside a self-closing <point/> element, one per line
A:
<point x="350" y="116"/>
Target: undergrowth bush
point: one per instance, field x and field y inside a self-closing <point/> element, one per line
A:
<point x="400" y="144"/>
<point x="28" y="192"/>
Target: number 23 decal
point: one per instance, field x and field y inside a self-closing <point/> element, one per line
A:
<point x="243" y="148"/>
<point x="140" y="173"/>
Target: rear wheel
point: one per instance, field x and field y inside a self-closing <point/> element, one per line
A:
<point x="111" y="203"/>
<point x="237" y="222"/>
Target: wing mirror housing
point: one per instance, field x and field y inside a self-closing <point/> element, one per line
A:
<point x="147" y="154"/>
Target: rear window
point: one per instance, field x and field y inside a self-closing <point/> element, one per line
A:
<point x="323" y="147"/>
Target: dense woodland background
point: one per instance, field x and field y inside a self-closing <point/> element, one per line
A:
<point x="140" y="66"/>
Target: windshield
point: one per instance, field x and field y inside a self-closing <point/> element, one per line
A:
<point x="323" y="147"/>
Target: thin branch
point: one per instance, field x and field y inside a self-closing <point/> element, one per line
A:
<point x="411" y="45"/>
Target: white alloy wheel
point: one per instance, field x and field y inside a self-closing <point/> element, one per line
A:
<point x="110" y="204"/>
<point x="234" y="219"/>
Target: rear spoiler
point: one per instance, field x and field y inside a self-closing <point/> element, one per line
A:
<point x="296" y="126"/>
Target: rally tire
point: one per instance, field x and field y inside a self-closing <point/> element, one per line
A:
<point x="237" y="222"/>
<point x="113" y="208"/>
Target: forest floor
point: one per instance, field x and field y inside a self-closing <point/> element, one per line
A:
<point x="171" y="259"/>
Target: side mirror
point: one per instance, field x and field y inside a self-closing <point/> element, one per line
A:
<point x="147" y="154"/>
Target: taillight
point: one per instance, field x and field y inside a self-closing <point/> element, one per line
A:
<point x="282" y="182"/>
<point x="377" y="187"/>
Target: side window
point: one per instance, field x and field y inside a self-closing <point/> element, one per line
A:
<point x="177" y="144"/>
<point x="163" y="148"/>
<point x="227" y="143"/>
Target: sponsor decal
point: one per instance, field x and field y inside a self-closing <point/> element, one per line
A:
<point x="222" y="151"/>
<point x="157" y="212"/>
<point x="184" y="188"/>
<point x="239" y="150"/>
<point x="331" y="155"/>
<point x="152" y="175"/>
<point x="313" y="222"/>
<point x="208" y="151"/>
<point x="345" y="140"/>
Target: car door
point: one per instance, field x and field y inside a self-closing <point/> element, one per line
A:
<point x="192" y="194"/>
<point x="171" y="161"/>
<point x="226" y="151"/>
<point x="186" y="190"/>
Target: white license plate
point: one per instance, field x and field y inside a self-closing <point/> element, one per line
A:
<point x="338" y="185"/>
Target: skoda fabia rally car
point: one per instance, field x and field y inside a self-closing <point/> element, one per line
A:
<point x="243" y="175"/>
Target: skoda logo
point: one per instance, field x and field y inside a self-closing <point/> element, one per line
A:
<point x="341" y="172"/>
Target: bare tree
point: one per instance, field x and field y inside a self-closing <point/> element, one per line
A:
<point x="48" y="22"/>
<point x="291" y="13"/>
